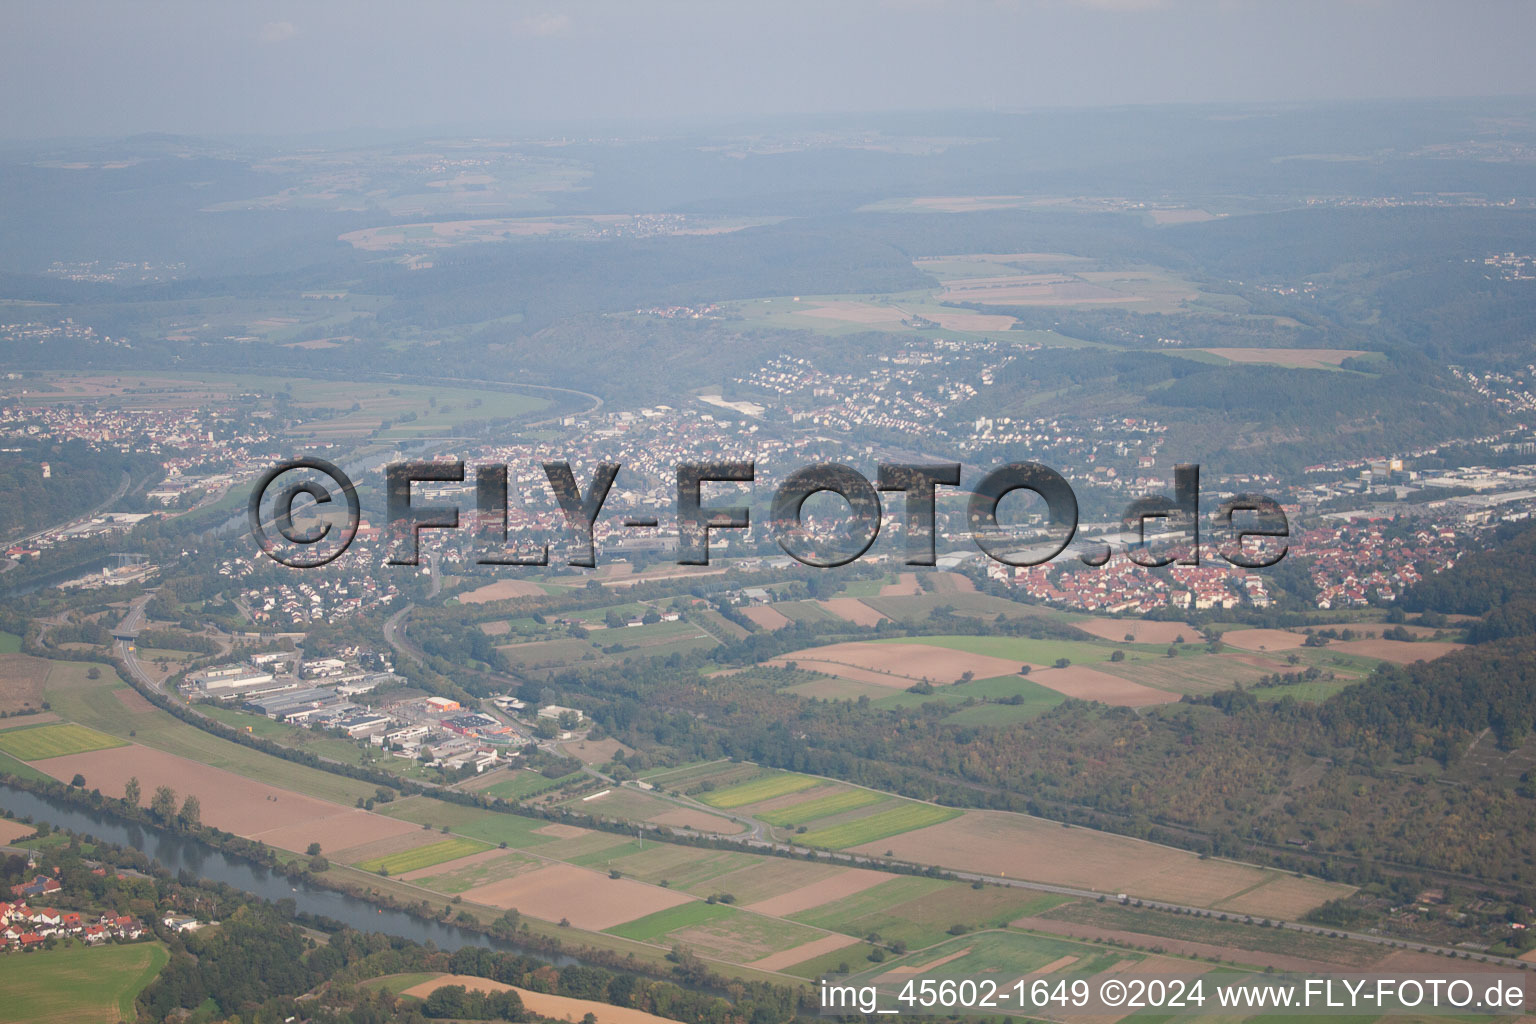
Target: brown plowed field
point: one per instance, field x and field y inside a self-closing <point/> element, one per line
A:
<point x="854" y="610"/>
<point x="501" y="590"/>
<point x="1019" y="846"/>
<point x="1091" y="684"/>
<point x="767" y="618"/>
<point x="588" y="899"/>
<point x="855" y="313"/>
<point x="1399" y="652"/>
<point x="1263" y="639"/>
<point x="953" y="583"/>
<point x="845" y="883"/>
<point x="1299" y="358"/>
<point x="1285" y="897"/>
<point x="255" y="810"/>
<point x="542" y="1003"/>
<point x="799" y="954"/>
<point x="21" y="681"/>
<point x="1144" y="632"/>
<point x="904" y="663"/>
<point x="906" y="585"/>
<point x="41" y="718"/>
<point x="10" y="831"/>
<point x="684" y="817"/>
<point x="841" y="671"/>
<point x="972" y="321"/>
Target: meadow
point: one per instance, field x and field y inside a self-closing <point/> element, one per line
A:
<point x="758" y="789"/>
<point x="880" y="825"/>
<point x="44" y="741"/>
<point x="77" y="984"/>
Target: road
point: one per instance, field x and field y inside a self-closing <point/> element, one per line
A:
<point x="122" y="489"/>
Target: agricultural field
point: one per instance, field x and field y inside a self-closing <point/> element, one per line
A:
<point x="1010" y="698"/>
<point x="820" y="807"/>
<point x="520" y="783"/>
<point x="1205" y="936"/>
<point x="286" y="818"/>
<point x="473" y="872"/>
<point x="717" y="774"/>
<point x="627" y="804"/>
<point x="501" y="590"/>
<point x="653" y="926"/>
<point x="766" y="788"/>
<point x="424" y="856"/>
<point x="1018" y="649"/>
<point x="747" y="938"/>
<point x="108" y="705"/>
<point x="1006" y="956"/>
<point x="45" y="741"/>
<point x="77" y="984"/>
<point x="1019" y="846"/>
<point x="543" y="1004"/>
<point x="492" y="827"/>
<point x="587" y="899"/>
<point x="920" y="911"/>
<point x="683" y="867"/>
<point x="22" y="678"/>
<point x="879" y="825"/>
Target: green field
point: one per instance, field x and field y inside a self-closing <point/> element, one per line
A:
<point x="1012" y="955"/>
<point x="394" y="984"/>
<point x="22" y="770"/>
<point x="1034" y="700"/>
<point x="682" y="867"/>
<point x="685" y="915"/>
<point x="879" y="825"/>
<point x="43" y="741"/>
<point x="758" y="789"/>
<point x="822" y="807"/>
<point x="10" y="643"/>
<point x="522" y="783"/>
<point x="515" y="830"/>
<point x="424" y="856"/>
<point x="920" y="911"/>
<point x="77" y="985"/>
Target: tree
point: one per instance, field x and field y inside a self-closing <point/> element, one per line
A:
<point x="191" y="811"/>
<point x="1063" y="662"/>
<point x="313" y="850"/>
<point x="131" y="791"/>
<point x="93" y="672"/>
<point x="1117" y="656"/>
<point x="163" y="804"/>
<point x="78" y="781"/>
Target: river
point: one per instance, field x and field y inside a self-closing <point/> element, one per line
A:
<point x="180" y="853"/>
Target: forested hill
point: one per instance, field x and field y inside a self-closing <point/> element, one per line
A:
<point x="1498" y="583"/>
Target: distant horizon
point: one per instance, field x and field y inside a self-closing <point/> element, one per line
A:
<point x="80" y="70"/>
<point x="674" y="125"/>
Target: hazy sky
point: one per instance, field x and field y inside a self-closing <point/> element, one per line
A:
<point x="69" y="67"/>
